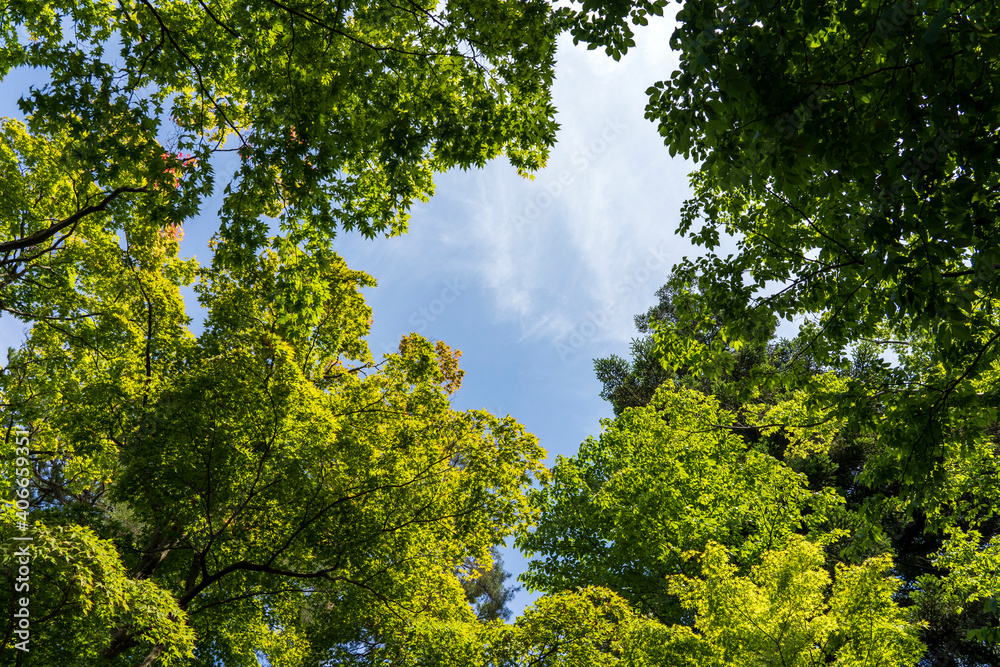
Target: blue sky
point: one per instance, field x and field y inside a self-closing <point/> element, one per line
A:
<point x="531" y="279"/>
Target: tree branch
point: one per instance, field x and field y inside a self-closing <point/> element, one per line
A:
<point x="45" y="234"/>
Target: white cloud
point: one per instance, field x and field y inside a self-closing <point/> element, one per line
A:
<point x="553" y="249"/>
<point x="549" y="253"/>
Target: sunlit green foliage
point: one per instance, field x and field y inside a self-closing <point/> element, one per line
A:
<point x="851" y="150"/>
<point x="332" y="116"/>
<point x="268" y="490"/>
<point x="75" y="572"/>
<point x="271" y="486"/>
<point x="267" y="483"/>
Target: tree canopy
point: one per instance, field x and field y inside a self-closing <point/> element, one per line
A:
<point x="848" y="152"/>
<point x="787" y="426"/>
<point x="718" y="542"/>
<point x="850" y="149"/>
<point x="259" y="487"/>
<point x="265" y="491"/>
<point x="339" y="115"/>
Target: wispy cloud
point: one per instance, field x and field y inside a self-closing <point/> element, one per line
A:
<point x="543" y="253"/>
<point x="552" y="249"/>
